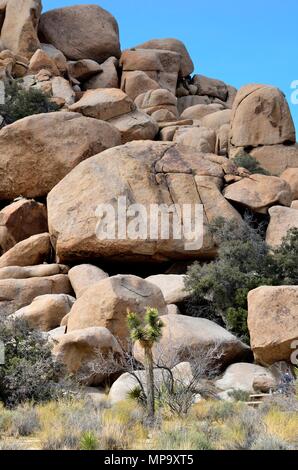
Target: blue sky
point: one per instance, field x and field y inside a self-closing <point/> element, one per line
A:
<point x="240" y="44"/>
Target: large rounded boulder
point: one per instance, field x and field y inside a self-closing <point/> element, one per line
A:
<point x="261" y="116"/>
<point x="38" y="151"/>
<point x="273" y="323"/>
<point x="106" y="304"/>
<point x="145" y="173"/>
<point x="81" y="32"/>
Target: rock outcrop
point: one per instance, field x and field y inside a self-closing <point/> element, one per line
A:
<point x="86" y="353"/>
<point x="282" y="219"/>
<point x="19" y="29"/>
<point x="81" y="32"/>
<point x="46" y="311"/>
<point x="18" y="293"/>
<point x="189" y="339"/>
<point x="106" y="304"/>
<point x="261" y="116"/>
<point x="38" y="151"/>
<point x="20" y="220"/>
<point x="273" y="323"/>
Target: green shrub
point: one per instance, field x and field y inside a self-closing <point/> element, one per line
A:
<point x="89" y="442"/>
<point x="20" y="102"/>
<point x="239" y="395"/>
<point x="219" y="289"/>
<point x="251" y="164"/>
<point x="29" y="372"/>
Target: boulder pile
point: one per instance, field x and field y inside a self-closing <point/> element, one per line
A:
<point x="135" y="124"/>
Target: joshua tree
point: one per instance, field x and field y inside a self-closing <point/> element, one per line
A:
<point x="147" y="334"/>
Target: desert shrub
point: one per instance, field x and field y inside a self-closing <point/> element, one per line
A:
<point x="267" y="442"/>
<point x="122" y="426"/>
<point x="20" y="102"/>
<point x="8" y="444"/>
<point x="245" y="160"/>
<point x="219" y="289"/>
<point x="180" y="435"/>
<point x="24" y="420"/>
<point x="66" y="424"/>
<point x="239" y="395"/>
<point x="5" y="419"/>
<point x="29" y="372"/>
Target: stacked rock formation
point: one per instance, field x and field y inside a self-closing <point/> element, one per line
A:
<point x="136" y="123"/>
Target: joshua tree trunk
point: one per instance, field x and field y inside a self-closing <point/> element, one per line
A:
<point x="150" y="382"/>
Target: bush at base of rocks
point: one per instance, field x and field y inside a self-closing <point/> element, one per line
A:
<point x="29" y="372"/>
<point x="245" y="262"/>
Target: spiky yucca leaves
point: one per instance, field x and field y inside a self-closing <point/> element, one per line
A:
<point x="147" y="334"/>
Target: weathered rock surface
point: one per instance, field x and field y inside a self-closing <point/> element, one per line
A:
<point x="136" y="83"/>
<point x="217" y="120"/>
<point x="57" y="56"/>
<point x="291" y="177"/>
<point x="135" y="126"/>
<point x="126" y="383"/>
<point x="282" y="219"/>
<point x="107" y="77"/>
<point x="19" y="30"/>
<point x="174" y="45"/>
<point x="273" y="323"/>
<point x="259" y="192"/>
<point x="61" y="88"/>
<point x="83" y="69"/>
<point x="172" y="287"/>
<point x="276" y="158"/>
<point x="17" y="293"/>
<point x="215" y="204"/>
<point x="29" y="252"/>
<point x="42" y="61"/>
<point x="46" y="311"/>
<point x="25" y="272"/>
<point x="161" y="66"/>
<point x="242" y="376"/>
<point x="198" y="111"/>
<point x="146" y="173"/>
<point x="84" y="276"/>
<point x="20" y="220"/>
<point x="211" y="87"/>
<point x="261" y="116"/>
<point x="38" y="151"/>
<point x="184" y="338"/>
<point x="83" y="351"/>
<point x="199" y="138"/>
<point x="104" y="104"/>
<point x="106" y="304"/>
<point x="81" y="32"/>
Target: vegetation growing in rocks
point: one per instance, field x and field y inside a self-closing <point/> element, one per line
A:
<point x="244" y="160"/>
<point x="219" y="289"/>
<point x="20" y="102"/>
<point x="29" y="372"/>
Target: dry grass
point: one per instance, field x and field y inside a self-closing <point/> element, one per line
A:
<point x="82" y="425"/>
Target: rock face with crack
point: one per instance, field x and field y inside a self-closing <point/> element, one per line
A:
<point x="147" y="173"/>
<point x="106" y="304"/>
